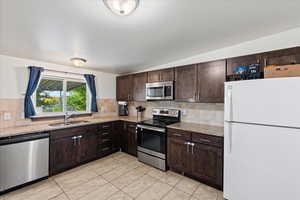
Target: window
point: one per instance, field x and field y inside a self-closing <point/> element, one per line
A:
<point x="58" y="95"/>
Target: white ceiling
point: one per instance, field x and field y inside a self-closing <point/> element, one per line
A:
<point x="160" y="31"/>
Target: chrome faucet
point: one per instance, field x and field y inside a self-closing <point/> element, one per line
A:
<point x="67" y="116"/>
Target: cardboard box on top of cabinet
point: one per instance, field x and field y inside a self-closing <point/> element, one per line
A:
<point x="275" y="71"/>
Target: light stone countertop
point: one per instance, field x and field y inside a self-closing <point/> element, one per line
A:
<point x="199" y="128"/>
<point x="44" y="126"/>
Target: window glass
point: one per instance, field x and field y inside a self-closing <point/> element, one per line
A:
<point x="61" y="95"/>
<point x="49" y="96"/>
<point x="76" y="96"/>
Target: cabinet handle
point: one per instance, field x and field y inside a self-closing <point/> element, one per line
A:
<point x="105" y="133"/>
<point x="107" y="126"/>
<point x="192" y="144"/>
<point x="105" y="149"/>
<point x="187" y="146"/>
<point x="105" y="140"/>
<point x="79" y="137"/>
<point x="74" y="140"/>
<point x="204" y="140"/>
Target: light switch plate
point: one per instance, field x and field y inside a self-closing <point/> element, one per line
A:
<point x="7" y="116"/>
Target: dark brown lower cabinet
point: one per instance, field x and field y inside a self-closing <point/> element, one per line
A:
<point x="201" y="161"/>
<point x="128" y="138"/>
<point x="132" y="138"/>
<point x="87" y="147"/>
<point x="117" y="132"/>
<point x="73" y="146"/>
<point x="177" y="154"/>
<point x="207" y="163"/>
<point x="63" y="155"/>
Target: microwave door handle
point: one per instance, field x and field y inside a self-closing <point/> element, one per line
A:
<point x="164" y="92"/>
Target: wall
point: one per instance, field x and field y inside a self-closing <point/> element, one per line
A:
<point x="14" y="78"/>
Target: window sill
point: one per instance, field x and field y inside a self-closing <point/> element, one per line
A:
<point x="58" y="116"/>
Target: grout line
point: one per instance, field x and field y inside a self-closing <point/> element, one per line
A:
<point x="63" y="191"/>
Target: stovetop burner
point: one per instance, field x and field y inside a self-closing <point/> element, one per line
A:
<point x="158" y="123"/>
<point x="162" y="118"/>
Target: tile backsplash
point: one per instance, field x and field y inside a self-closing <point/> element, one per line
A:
<point x="202" y="113"/>
<point x="12" y="111"/>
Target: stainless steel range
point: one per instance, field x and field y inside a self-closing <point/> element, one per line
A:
<point x="152" y="137"/>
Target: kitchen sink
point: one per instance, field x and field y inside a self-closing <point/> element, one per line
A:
<point x="69" y="123"/>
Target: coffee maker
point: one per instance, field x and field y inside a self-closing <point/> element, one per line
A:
<point x="123" y="108"/>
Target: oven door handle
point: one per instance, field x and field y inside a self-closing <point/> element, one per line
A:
<point x="162" y="130"/>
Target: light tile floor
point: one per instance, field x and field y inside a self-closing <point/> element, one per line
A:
<point x="116" y="177"/>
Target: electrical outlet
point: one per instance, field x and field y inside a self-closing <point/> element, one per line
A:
<point x="7" y="116"/>
<point x="184" y="112"/>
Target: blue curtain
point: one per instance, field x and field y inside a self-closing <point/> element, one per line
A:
<point x="34" y="77"/>
<point x="90" y="79"/>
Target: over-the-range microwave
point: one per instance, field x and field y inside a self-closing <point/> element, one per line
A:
<point x="160" y="91"/>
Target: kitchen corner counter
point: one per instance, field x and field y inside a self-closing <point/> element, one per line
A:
<point x="43" y="127"/>
<point x="199" y="128"/>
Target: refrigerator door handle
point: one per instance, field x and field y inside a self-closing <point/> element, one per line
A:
<point x="228" y="104"/>
<point x="229" y="138"/>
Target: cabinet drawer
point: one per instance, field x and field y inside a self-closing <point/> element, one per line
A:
<point x="68" y="132"/>
<point x="179" y="134"/>
<point x="106" y="126"/>
<point x="93" y="128"/>
<point x="106" y="141"/>
<point x="104" y="150"/>
<point x="207" y="139"/>
<point x="106" y="134"/>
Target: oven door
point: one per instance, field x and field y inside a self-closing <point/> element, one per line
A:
<point x="152" y="140"/>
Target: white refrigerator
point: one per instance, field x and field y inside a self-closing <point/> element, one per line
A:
<point x="262" y="139"/>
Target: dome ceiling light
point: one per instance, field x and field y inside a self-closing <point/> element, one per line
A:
<point x="122" y="7"/>
<point x="78" y="62"/>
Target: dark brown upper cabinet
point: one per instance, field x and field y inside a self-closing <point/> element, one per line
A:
<point x="161" y="75"/>
<point x="124" y="88"/>
<point x="232" y="63"/>
<point x="186" y="83"/>
<point x="211" y="78"/>
<point x="139" y="86"/>
<point x="282" y="57"/>
<point x="200" y="83"/>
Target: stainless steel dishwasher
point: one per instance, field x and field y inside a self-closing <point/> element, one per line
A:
<point x="23" y="159"/>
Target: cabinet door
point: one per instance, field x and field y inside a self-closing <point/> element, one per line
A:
<point x="186" y="83"/>
<point x="124" y="138"/>
<point x="207" y="163"/>
<point x="117" y="132"/>
<point x="63" y="154"/>
<point x="211" y="78"/>
<point x="124" y="88"/>
<point x="283" y="57"/>
<point x="154" y="76"/>
<point x="161" y="75"/>
<point x="88" y="146"/>
<point x="139" y="86"/>
<point x="132" y="139"/>
<point x="177" y="155"/>
<point x="167" y="74"/>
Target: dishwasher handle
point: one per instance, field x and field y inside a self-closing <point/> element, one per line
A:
<point x="23" y="138"/>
